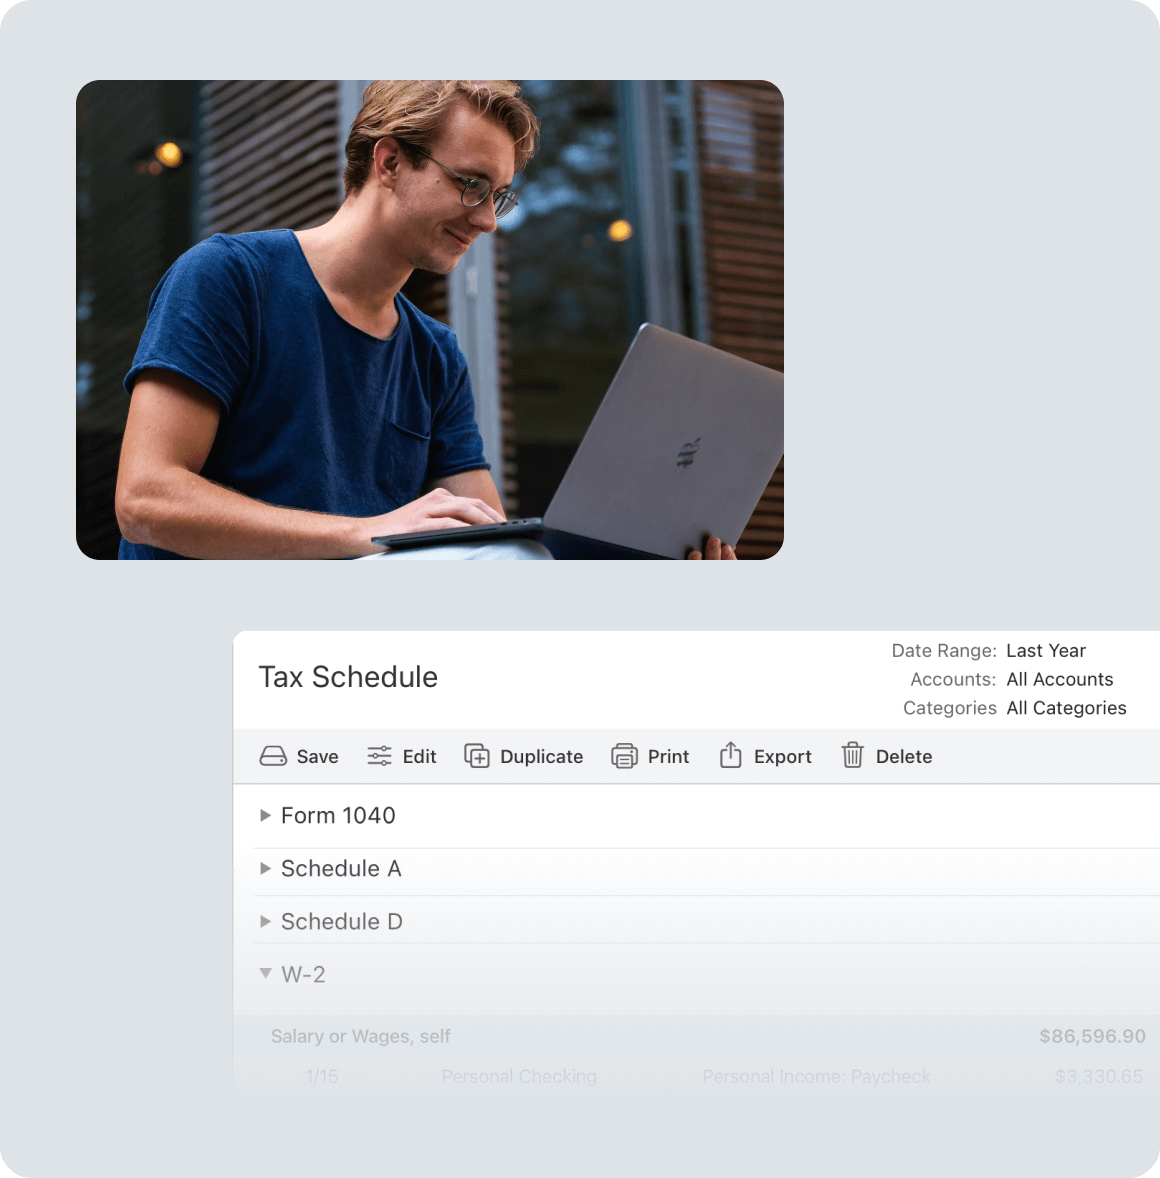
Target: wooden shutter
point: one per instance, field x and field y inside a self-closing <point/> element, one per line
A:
<point x="269" y="155"/>
<point x="132" y="225"/>
<point x="739" y="144"/>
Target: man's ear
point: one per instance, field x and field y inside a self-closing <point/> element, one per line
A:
<point x="387" y="158"/>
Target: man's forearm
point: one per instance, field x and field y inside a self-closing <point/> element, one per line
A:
<point x="162" y="499"/>
<point x="185" y="513"/>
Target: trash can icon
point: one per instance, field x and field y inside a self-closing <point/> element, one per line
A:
<point x="273" y="754"/>
<point x="852" y="752"/>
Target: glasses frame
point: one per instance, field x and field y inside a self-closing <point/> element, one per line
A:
<point x="507" y="195"/>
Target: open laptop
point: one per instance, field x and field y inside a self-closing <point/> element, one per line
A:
<point x="682" y="446"/>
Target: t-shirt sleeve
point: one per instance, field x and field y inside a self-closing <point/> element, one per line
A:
<point x="455" y="441"/>
<point x="199" y="323"/>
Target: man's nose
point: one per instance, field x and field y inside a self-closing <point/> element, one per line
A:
<point x="482" y="215"/>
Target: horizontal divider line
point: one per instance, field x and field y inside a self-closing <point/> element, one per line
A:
<point x="725" y="777"/>
<point x="707" y="896"/>
<point x="400" y="944"/>
<point x="320" y="847"/>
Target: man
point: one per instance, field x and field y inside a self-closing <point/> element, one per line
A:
<point x="287" y="400"/>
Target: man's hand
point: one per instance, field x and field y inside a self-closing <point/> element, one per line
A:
<point x="437" y="509"/>
<point x="714" y="550"/>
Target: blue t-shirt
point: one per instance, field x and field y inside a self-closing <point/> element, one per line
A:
<point x="316" y="413"/>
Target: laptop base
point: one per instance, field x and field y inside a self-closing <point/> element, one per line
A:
<point x="562" y="545"/>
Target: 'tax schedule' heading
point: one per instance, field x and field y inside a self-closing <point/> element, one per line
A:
<point x="323" y="676"/>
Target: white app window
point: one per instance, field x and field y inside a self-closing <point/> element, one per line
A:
<point x="880" y="890"/>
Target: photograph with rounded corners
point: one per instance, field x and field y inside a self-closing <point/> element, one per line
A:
<point x="430" y="320"/>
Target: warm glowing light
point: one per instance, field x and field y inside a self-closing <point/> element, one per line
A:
<point x="169" y="154"/>
<point x="155" y="169"/>
<point x="619" y="231"/>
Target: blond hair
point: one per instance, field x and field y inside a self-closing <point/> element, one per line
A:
<point x="415" y="112"/>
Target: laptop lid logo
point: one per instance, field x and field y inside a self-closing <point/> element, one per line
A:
<point x="686" y="452"/>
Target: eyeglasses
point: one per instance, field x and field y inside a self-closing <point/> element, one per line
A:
<point x="504" y="201"/>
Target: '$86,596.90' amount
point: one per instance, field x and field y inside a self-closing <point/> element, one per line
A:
<point x="1092" y="1036"/>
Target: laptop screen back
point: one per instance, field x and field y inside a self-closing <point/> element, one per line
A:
<point x="682" y="446"/>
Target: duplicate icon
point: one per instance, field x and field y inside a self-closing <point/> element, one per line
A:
<point x="477" y="756"/>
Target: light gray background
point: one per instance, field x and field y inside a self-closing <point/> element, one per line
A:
<point x="971" y="434"/>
